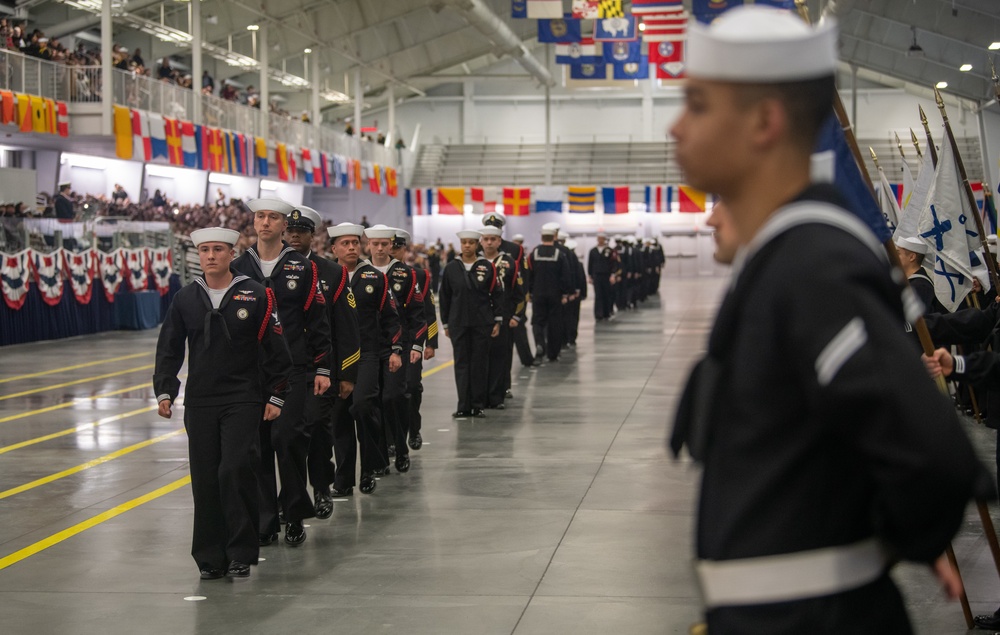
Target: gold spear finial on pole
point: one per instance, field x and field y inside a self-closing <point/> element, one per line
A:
<point x="916" y="144"/>
<point x="874" y="157"/>
<point x="900" y="146"/>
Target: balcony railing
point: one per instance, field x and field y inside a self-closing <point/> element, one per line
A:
<point x="73" y="83"/>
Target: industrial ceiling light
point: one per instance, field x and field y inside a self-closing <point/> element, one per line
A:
<point x="915" y="49"/>
<point x="253" y="27"/>
<point x="941" y="85"/>
<point x="965" y="68"/>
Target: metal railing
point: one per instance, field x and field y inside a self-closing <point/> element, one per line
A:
<point x="145" y="93"/>
<point x="20" y="73"/>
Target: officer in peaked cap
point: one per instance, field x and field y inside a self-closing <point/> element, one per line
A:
<point x="828" y="453"/>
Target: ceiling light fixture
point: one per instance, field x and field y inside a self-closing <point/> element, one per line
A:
<point x="915" y="50"/>
<point x="995" y="46"/>
<point x="965" y="68"/>
<point x="253" y="27"/>
<point x="941" y="85"/>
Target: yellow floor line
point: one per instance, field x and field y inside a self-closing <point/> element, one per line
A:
<point x="65" y="534"/>
<point x="431" y="371"/>
<point x="70" y="404"/>
<point x="80" y="428"/>
<point x="76" y="381"/>
<point x="74" y="367"/>
<point x="89" y="464"/>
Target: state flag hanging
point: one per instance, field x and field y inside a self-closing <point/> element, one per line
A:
<point x="610" y="9"/>
<point x="690" y="200"/>
<point x="582" y="52"/>
<point x="622" y="52"/>
<point x="451" y="200"/>
<point x="644" y="7"/>
<point x="582" y="200"/>
<point x="632" y="70"/>
<point x="668" y="57"/>
<point x="615" y="200"/>
<point x="586" y="9"/>
<point x="518" y="9"/>
<point x="559" y="31"/>
<point x="516" y="201"/>
<point x="616" y="29"/>
<point x="544" y="9"/>
<point x="588" y="71"/>
<point x="707" y="10"/>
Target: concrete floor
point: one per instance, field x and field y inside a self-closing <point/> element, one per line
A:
<point x="562" y="514"/>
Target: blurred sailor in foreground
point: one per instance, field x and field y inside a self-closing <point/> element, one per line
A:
<point x="828" y="453"/>
<point x="238" y="372"/>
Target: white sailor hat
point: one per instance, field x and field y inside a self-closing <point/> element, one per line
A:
<point x="550" y="229"/>
<point x="63" y="184"/>
<point x="345" y="229"/>
<point x="602" y="234"/>
<point x="215" y="235"/>
<point x="571" y="244"/>
<point x="913" y="244"/>
<point x="303" y="217"/>
<point x="380" y="231"/>
<point x="401" y="237"/>
<point x="469" y="233"/>
<point x="491" y="230"/>
<point x="759" y="44"/>
<point x="518" y="237"/>
<point x="496" y="219"/>
<point x="270" y="205"/>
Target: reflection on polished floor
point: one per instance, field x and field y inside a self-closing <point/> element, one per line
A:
<point x="562" y="514"/>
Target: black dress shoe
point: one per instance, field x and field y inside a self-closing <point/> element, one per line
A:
<point x="281" y="516"/>
<point x="341" y="493"/>
<point x="211" y="573"/>
<point x="459" y="414"/>
<point x="989" y="622"/>
<point x="403" y="463"/>
<point x="368" y="483"/>
<point x="265" y="539"/>
<point x="416" y="441"/>
<point x="499" y="406"/>
<point x="324" y="506"/>
<point x="238" y="570"/>
<point x="295" y="533"/>
<point x="478" y="413"/>
<point x="392" y="449"/>
<point x="508" y="395"/>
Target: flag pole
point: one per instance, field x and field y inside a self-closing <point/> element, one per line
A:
<point x="930" y="140"/>
<point x="899" y="145"/>
<point x="916" y="144"/>
<point x="991" y="262"/>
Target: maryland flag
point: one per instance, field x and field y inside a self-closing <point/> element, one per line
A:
<point x="39" y="122"/>
<point x="691" y="201"/>
<point x="123" y="132"/>
<point x="611" y="9"/>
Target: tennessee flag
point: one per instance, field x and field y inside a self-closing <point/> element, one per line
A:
<point x="516" y="201"/>
<point x="451" y="200"/>
<point x="691" y="201"/>
<point x="39" y="122"/>
<point x="260" y="148"/>
<point x="282" y="161"/>
<point x="172" y="127"/>
<point x="123" y="132"/>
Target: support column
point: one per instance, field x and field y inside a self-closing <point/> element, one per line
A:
<point x="359" y="98"/>
<point x="548" y="135"/>
<point x="314" y="78"/>
<point x="391" y="134"/>
<point x="648" y="134"/>
<point x="263" y="52"/>
<point x="468" y="118"/>
<point x="196" y="60"/>
<point x="107" y="80"/>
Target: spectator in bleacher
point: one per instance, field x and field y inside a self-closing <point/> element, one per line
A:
<point x="364" y="222"/>
<point x="165" y="72"/>
<point x="119" y="197"/>
<point x="64" y="204"/>
<point x="207" y="81"/>
<point x="137" y="60"/>
<point x="220" y="200"/>
<point x="451" y="252"/>
<point x="228" y="91"/>
<point x="159" y="200"/>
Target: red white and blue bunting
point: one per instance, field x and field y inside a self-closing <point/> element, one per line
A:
<point x="50" y="270"/>
<point x="15" y="275"/>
